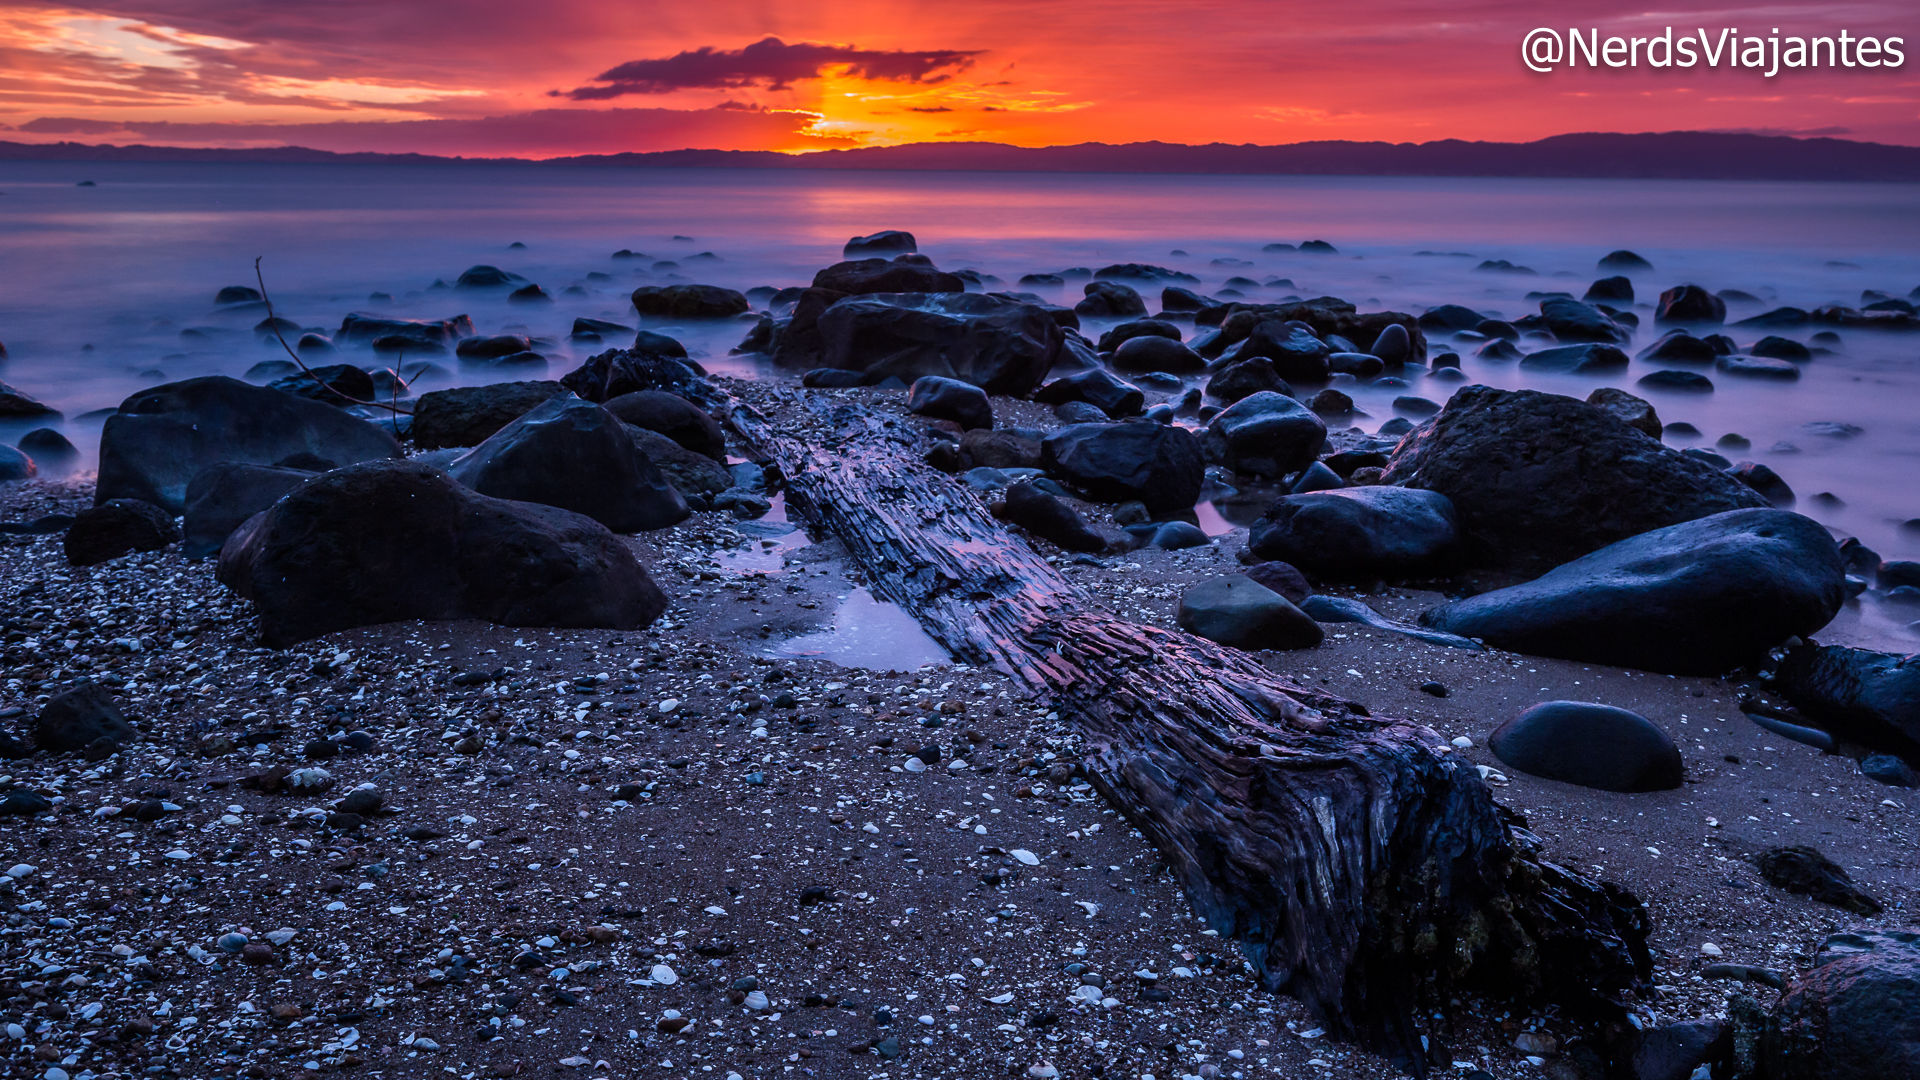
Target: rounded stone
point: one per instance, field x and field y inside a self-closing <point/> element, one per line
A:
<point x="1591" y="745"/>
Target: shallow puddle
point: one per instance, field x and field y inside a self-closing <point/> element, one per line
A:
<point x="868" y="633"/>
<point x="771" y="539"/>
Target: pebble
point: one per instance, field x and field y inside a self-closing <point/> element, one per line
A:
<point x="1024" y="856"/>
<point x="664" y="975"/>
<point x="1708" y="948"/>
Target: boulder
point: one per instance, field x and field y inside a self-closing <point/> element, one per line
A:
<point x="1807" y="872"/>
<point x="1861" y="696"/>
<point x="1855" y="1015"/>
<point x="950" y="399"/>
<point x="1758" y="367"/>
<point x="1538" y="479"/>
<point x="328" y="384"/>
<point x="867" y="277"/>
<point x="492" y="348"/>
<point x="161" y="438"/>
<point x="1680" y="347"/>
<point x="1156" y="464"/>
<point x="1634" y="412"/>
<point x="1394" y="346"/>
<point x="1282" y="578"/>
<point x="1112" y="395"/>
<point x="1690" y="382"/>
<point x="689" y="302"/>
<point x="1126" y="331"/>
<point x="1623" y="260"/>
<point x="1450" y="318"/>
<point x="1265" y="434"/>
<point x="1298" y="356"/>
<point x="1588" y="359"/>
<point x="488" y="277"/>
<point x="615" y="372"/>
<point x="1362" y="366"/>
<point x="1000" y="449"/>
<point x="1241" y="613"/>
<point x="1611" y="290"/>
<point x="15" y="465"/>
<point x="1573" y="321"/>
<point x="1779" y="348"/>
<point x="1699" y="598"/>
<point x="673" y="416"/>
<point x="1594" y="746"/>
<point x="692" y="475"/>
<point x="1246" y="377"/>
<point x="116" y="527"/>
<point x="1050" y="518"/>
<point x="49" y="448"/>
<point x="1675" y="1051"/>
<point x="15" y="405"/>
<point x="1361" y="533"/>
<point x="221" y="497"/>
<point x="1318" y="477"/>
<point x="1690" y="304"/>
<point x="884" y="242"/>
<point x="1110" y="300"/>
<point x="1003" y="346"/>
<point x="389" y="541"/>
<point x="468" y="415"/>
<point x="572" y="454"/>
<point x="84" y="718"/>
<point x="1148" y="352"/>
<point x="1765" y="481"/>
<point x="435" y="336"/>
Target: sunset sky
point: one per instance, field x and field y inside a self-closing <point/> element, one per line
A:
<point x="495" y="78"/>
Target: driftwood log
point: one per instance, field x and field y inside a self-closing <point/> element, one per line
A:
<point x="1363" y="868"/>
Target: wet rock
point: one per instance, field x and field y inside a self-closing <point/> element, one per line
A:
<point x="1283" y="579"/>
<point x="488" y="277"/>
<point x="1862" y="696"/>
<point x="1001" y="449"/>
<point x="1684" y="381"/>
<point x="1680" y="347"/>
<point x="1699" y="598"/>
<point x="867" y="277"/>
<point x="616" y="372"/>
<point x="390" y="541"/>
<point x="364" y="801"/>
<point x="1002" y="346"/>
<point x="1113" y="396"/>
<point x="673" y="416"/>
<point x="468" y="415"/>
<point x="1611" y="290"/>
<point x="15" y="465"/>
<point x="1157" y="464"/>
<point x="1331" y="402"/>
<point x="1636" y="413"/>
<point x="1623" y="261"/>
<point x="117" y="527"/>
<point x="1361" y="366"/>
<point x="1252" y="376"/>
<point x="1890" y="770"/>
<point x="1595" y="746"/>
<point x="160" y="439"/>
<point x="82" y="718"/>
<point x="572" y="454"/>
<point x="1110" y="300"/>
<point x="1364" y="533"/>
<point x="689" y="302"/>
<point x="49" y="449"/>
<point x="886" y="242"/>
<point x="1674" y="1051"/>
<point x="1297" y="355"/>
<point x="1854" y="1016"/>
<point x="1804" y="870"/>
<point x="950" y="399"/>
<point x="1450" y="318"/>
<point x="692" y="475"/>
<point x="1050" y="518"/>
<point x="1177" y="536"/>
<point x="1755" y="367"/>
<point x="1394" y="346"/>
<point x="1588" y="359"/>
<point x="1765" y="481"/>
<point x="1538" y="479"/>
<point x="1127" y="331"/>
<point x="1779" y="348"/>
<point x="1690" y="304"/>
<point x="1317" y="477"/>
<point x="1149" y="352"/>
<point x="492" y="348"/>
<point x="1572" y="321"/>
<point x="1265" y="434"/>
<point x="222" y="497"/>
<point x="833" y="379"/>
<point x="422" y="337"/>
<point x="1239" y="612"/>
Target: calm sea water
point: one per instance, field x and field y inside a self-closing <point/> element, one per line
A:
<point x="101" y="281"/>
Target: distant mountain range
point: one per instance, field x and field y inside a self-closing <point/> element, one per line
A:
<point x="1673" y="155"/>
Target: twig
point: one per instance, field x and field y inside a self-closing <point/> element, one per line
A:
<point x="274" y="322"/>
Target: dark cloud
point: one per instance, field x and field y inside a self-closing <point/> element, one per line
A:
<point x="771" y="63"/>
<point x="928" y="108"/>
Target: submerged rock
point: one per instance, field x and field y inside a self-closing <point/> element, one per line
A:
<point x="689" y="302"/>
<point x="393" y="540"/>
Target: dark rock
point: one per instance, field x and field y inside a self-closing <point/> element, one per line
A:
<point x="1498" y="351"/>
<point x="330" y="384"/>
<point x="1317" y="477"/>
<point x="1435" y="689"/>
<point x="529" y="294"/>
<point x="833" y="379"/>
<point x="1050" y="518"/>
<point x="390" y="541"/>
<point x="1252" y="376"/>
<point x="1298" y="356"/>
<point x="23" y="803"/>
<point x="1175" y="298"/>
<point x="237" y="294"/>
<point x="1690" y="304"/>
<point x="1099" y="388"/>
<point x="1331" y="402"/>
<point x="1538" y="479"/>
<point x="1001" y="449"/>
<point x="616" y="372"/>
<point x="1573" y="321"/>
<point x="1634" y="412"/>
<point x="1178" y="535"/>
<point x="1080" y="412"/>
<point x="1865" y="697"/>
<point x="1147" y="352"/>
<point x="161" y="438"/>
<point x="1110" y="300"/>
<point x="487" y="277"/>
<point x="364" y="801"/>
<point x="689" y="302"/>
<point x="1611" y="290"/>
<point x="1699" y="598"/>
<point x="1807" y="872"/>
<point x="1415" y="406"/>
<point x="950" y="399"/>
<point x="1003" y="346"/>
<point x="1682" y="381"/>
<point x="865" y="277"/>
<point x="673" y="416"/>
<point x="1680" y="347"/>
<point x="884" y="242"/>
<point x="1779" y="348"/>
<point x="1450" y="318"/>
<point x="585" y="327"/>
<point x="1674" y="1051"/>
<point x="429" y="336"/>
<point x="1241" y="613"/>
<point x="222" y="497"/>
<point x="1361" y="366"/>
<point x="1585" y="359"/>
<point x="1889" y="769"/>
<point x="49" y="448"/>
<point x="117" y="527"/>
<point x="1755" y="367"/>
<point x="492" y="348"/>
<point x="1264" y="434"/>
<point x="1765" y="481"/>
<point x="1282" y="578"/>
<point x="1594" y="746"/>
<point x="1624" y="261"/>
<point x="1854" y="1016"/>
<point x="80" y="718"/>
<point x="1127" y="331"/>
<point x="467" y="416"/>
<point x="692" y="475"/>
<point x="572" y="454"/>
<point x="1394" y="346"/>
<point x="1362" y="533"/>
<point x="1156" y="464"/>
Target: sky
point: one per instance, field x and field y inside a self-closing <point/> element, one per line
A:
<point x="490" y="78"/>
